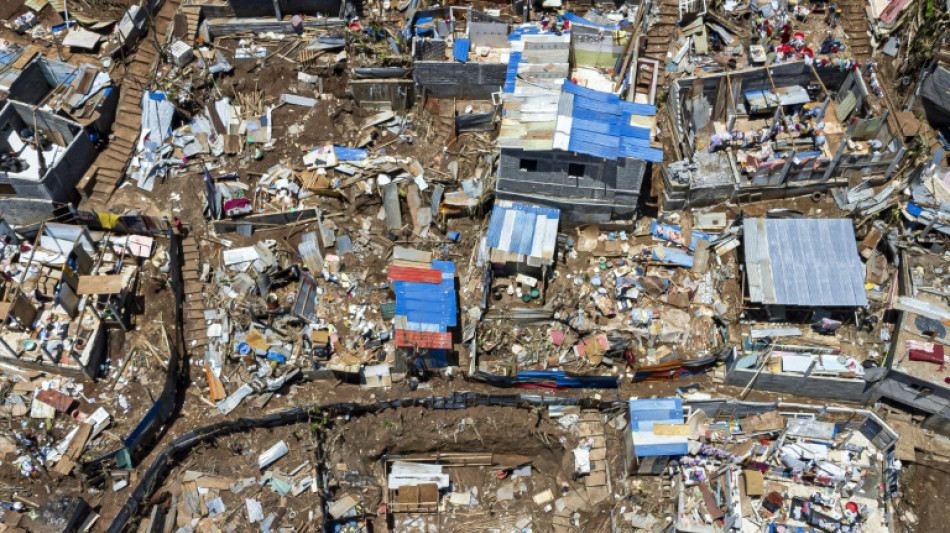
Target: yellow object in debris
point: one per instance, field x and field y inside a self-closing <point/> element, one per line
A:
<point x="108" y="220"/>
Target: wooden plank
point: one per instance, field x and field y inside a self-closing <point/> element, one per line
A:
<point x="28" y="54"/>
<point x="78" y="444"/>
<point x="677" y="430"/>
<point x="64" y="467"/>
<point x="111" y="164"/>
<point x="100" y="284"/>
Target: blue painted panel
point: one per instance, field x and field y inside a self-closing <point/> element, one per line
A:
<point x="653" y="155"/>
<point x="635" y="132"/>
<point x="589" y="137"/>
<point x="590" y="114"/>
<point x="575" y="89"/>
<point x="460" y="49"/>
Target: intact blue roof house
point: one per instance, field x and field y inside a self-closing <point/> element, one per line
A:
<point x="569" y="146"/>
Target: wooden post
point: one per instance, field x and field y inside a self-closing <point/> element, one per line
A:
<point x="834" y="162"/>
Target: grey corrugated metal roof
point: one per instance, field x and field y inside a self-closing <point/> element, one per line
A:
<point x="803" y="262"/>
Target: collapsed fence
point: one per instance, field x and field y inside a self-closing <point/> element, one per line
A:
<point x="164" y="407"/>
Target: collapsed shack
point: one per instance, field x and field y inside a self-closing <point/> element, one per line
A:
<point x="63" y="292"/>
<point x="817" y="321"/>
<point x="796" y="451"/>
<point x="82" y="93"/>
<point x="458" y="52"/>
<point x="74" y="385"/>
<point x="266" y="321"/>
<point x="54" y="115"/>
<point x="651" y="304"/>
<point x="765" y="133"/>
<point x="46" y="156"/>
<point x="764" y="465"/>
<point x="915" y="381"/>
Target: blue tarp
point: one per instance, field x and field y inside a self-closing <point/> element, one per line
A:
<point x="350" y="154"/>
<point x="425" y="21"/>
<point x="673" y="256"/>
<point x="460" y="49"/>
<point x="664" y="231"/>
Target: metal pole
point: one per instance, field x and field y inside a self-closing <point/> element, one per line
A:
<point x="9" y="349"/>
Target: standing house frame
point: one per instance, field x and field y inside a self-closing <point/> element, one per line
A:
<point x="53" y="172"/>
<point x="55" y="319"/>
<point x="70" y="105"/>
<point x="445" y="45"/>
<point x="717" y="104"/>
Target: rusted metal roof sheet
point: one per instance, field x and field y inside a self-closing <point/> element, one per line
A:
<point x="423" y="339"/>
<point x="418" y="275"/>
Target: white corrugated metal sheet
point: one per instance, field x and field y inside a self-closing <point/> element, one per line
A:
<point x="803" y="262"/>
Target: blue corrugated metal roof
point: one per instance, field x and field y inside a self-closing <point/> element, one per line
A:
<point x="644" y="110"/>
<point x="645" y="413"/>
<point x="601" y="126"/>
<point x="514" y="59"/>
<point x="519" y="237"/>
<point x="429" y="304"/>
<point x="460" y="49"/>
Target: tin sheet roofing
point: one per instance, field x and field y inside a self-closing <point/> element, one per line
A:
<point x="600" y="124"/>
<point x="543" y="110"/>
<point x="644" y="414"/>
<point x="523" y="229"/>
<point x="424" y="305"/>
<point x="577" y="19"/>
<point x="803" y="262"/>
